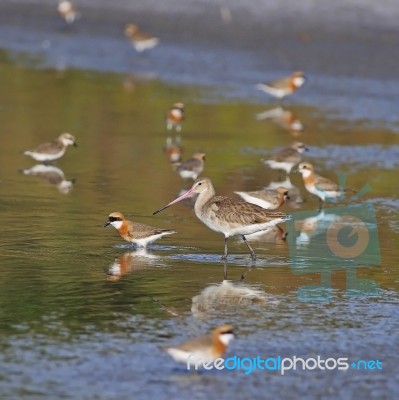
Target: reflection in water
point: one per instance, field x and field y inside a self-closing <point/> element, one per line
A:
<point x="129" y="262"/>
<point x="284" y="118"/>
<point x="173" y="149"/>
<point x="330" y="222"/>
<point x="225" y="297"/>
<point x="132" y="80"/>
<point x="312" y="226"/>
<point x="335" y="239"/>
<point x="51" y="174"/>
<point x="275" y="234"/>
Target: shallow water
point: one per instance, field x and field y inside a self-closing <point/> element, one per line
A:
<point x="83" y="314"/>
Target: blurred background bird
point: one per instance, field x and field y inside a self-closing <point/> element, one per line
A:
<point x="286" y="158"/>
<point x="191" y="168"/>
<point x="68" y="11"/>
<point x="175" y="117"/>
<point x="139" y="39"/>
<point x="283" y="87"/>
<point x="206" y="348"/>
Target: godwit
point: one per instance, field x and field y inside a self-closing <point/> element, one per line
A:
<point x="134" y="232"/>
<point x="285" y="86"/>
<point x="287" y="158"/>
<point x="229" y="216"/>
<point x="203" y="349"/>
<point x="52" y="150"/>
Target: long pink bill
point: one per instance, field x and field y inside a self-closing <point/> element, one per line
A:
<point x="182" y="197"/>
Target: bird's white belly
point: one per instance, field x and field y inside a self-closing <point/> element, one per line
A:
<point x="317" y="192"/>
<point x="193" y="358"/>
<point x="286" y="166"/>
<point x="232" y="229"/>
<point x="185" y="174"/>
<point x="43" y="156"/>
<point x="256" y="200"/>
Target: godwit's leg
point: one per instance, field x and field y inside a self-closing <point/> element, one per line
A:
<point x="320" y="203"/>
<point x="253" y="255"/>
<point x="224" y="256"/>
<point x="246" y="271"/>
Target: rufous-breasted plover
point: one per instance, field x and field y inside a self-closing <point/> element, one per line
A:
<point x="203" y="349"/>
<point x="283" y="87"/>
<point x="134" y="232"/>
<point x="68" y="11"/>
<point x="191" y="168"/>
<point x="286" y="158"/>
<point x="270" y="199"/>
<point x="139" y="39"/>
<point x="52" y="150"/>
<point x="175" y="116"/>
<point x="323" y="188"/>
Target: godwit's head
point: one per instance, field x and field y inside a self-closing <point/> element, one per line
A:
<point x="199" y="186"/>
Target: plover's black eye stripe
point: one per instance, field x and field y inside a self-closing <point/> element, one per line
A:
<point x="112" y="219"/>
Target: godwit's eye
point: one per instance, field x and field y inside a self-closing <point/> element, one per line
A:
<point x="199" y="183"/>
